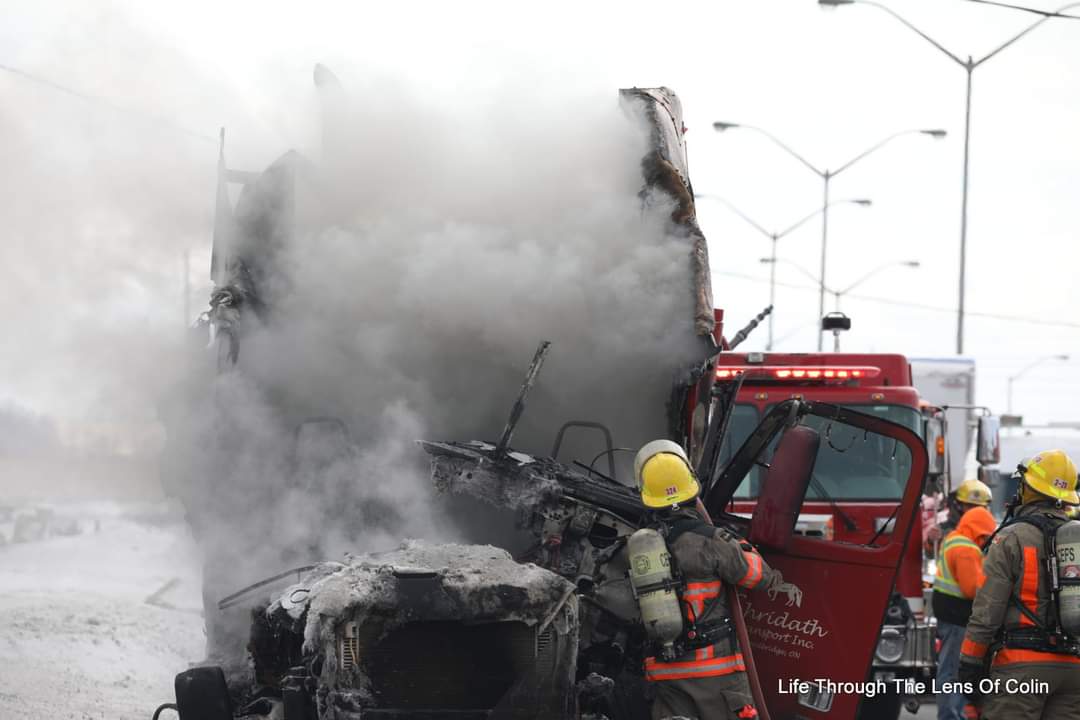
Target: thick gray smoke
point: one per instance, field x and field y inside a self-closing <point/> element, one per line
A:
<point x="434" y="248"/>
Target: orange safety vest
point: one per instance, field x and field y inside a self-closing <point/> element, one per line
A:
<point x="705" y="663"/>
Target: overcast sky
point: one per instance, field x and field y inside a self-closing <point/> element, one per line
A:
<point x="828" y="83"/>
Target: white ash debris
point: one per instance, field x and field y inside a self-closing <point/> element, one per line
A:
<point x="459" y="582"/>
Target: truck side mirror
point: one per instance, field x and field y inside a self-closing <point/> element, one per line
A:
<point x="988" y="441"/>
<point x="935" y="445"/>
<point x="784" y="488"/>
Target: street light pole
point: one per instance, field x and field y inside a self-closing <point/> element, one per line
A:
<point x="826" y="175"/>
<point x="962" y="284"/>
<point x="824" y="242"/>
<point x="1009" y="403"/>
<point x="772" y="291"/>
<point x="774" y="237"/>
<point x="969" y="66"/>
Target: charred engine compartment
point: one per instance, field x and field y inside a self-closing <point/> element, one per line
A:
<point x="423" y="631"/>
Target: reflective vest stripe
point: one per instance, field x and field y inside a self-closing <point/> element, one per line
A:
<point x="1011" y="656"/>
<point x="973" y="649"/>
<point x="695" y="595"/>
<point x="753" y="572"/>
<point x="944" y="582"/>
<point x="1029" y="585"/>
<point x="956" y="540"/>
<point x="705" y="653"/>
<point x="703" y="589"/>
<point x="658" y="671"/>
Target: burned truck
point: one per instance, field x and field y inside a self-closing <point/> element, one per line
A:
<point x="266" y="467"/>
<point x="545" y="625"/>
<point x="471" y="632"/>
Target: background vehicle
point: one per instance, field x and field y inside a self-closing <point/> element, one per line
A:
<point x="950" y="382"/>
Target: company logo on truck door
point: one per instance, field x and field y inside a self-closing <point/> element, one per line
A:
<point x="779" y="633"/>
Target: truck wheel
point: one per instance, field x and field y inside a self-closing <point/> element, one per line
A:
<point x="885" y="706"/>
<point x="201" y="694"/>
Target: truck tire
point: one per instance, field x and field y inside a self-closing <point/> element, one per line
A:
<point x="201" y="694"/>
<point x="885" y="706"/>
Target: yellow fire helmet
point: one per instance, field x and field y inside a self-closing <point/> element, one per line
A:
<point x="1052" y="473"/>
<point x="974" y="492"/>
<point x="663" y="474"/>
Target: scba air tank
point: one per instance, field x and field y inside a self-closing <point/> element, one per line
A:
<point x="1068" y="553"/>
<point x="654" y="588"/>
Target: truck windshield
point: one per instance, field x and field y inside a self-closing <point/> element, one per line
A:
<point x="849" y="466"/>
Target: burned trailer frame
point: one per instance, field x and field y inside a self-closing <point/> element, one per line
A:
<point x="666" y="170"/>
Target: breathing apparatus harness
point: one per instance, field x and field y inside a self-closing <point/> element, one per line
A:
<point x="696" y="632"/>
<point x="1048" y="635"/>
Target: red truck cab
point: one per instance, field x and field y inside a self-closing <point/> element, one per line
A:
<point x="853" y="495"/>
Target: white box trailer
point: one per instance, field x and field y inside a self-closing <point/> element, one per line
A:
<point x="950" y="382"/>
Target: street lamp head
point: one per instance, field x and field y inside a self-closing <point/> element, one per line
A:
<point x="912" y="263"/>
<point x="835" y="3"/>
<point x="722" y="126"/>
<point x="937" y="134"/>
<point x="1063" y="358"/>
<point x="865" y="202"/>
<point x="767" y="261"/>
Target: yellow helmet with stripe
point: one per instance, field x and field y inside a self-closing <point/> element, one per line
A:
<point x="1052" y="473"/>
<point x="663" y="473"/>
<point x="974" y="492"/>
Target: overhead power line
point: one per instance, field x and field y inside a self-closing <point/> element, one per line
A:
<point x="145" y="117"/>
<point x="1036" y="11"/>
<point x="919" y="306"/>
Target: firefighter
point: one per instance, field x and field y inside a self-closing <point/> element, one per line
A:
<point x="1015" y="625"/>
<point x="959" y="574"/>
<point x="700" y="674"/>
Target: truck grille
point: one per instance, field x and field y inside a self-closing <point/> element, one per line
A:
<point x="450" y="666"/>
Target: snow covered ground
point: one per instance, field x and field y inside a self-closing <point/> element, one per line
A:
<point x="78" y="638"/>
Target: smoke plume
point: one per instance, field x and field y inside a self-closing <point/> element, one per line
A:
<point x="434" y="247"/>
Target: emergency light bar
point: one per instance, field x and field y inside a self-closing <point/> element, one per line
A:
<point x="798" y="372"/>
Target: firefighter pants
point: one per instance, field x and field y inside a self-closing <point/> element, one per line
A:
<point x="1015" y="702"/>
<point x="722" y="697"/>
<point x="950" y="706"/>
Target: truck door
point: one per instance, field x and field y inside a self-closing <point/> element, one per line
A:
<point x="832" y="634"/>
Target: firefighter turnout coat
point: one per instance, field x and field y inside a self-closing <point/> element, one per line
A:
<point x="1016" y="575"/>
<point x="710" y="681"/>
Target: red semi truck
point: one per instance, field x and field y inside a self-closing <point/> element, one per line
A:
<point x="851" y="497"/>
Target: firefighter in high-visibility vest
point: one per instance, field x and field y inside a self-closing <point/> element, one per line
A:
<point x="959" y="574"/>
<point x="701" y="674"/>
<point x="1015" y="624"/>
